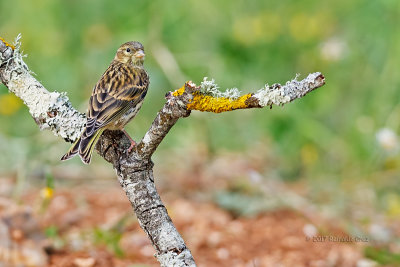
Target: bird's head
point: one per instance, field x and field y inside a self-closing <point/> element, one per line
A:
<point x="130" y="52"/>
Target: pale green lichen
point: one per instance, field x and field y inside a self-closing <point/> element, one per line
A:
<point x="17" y="42"/>
<point x="281" y="94"/>
<point x="211" y="88"/>
<point x="17" y="53"/>
<point x="271" y="95"/>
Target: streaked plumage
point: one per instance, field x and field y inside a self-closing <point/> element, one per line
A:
<point x="115" y="100"/>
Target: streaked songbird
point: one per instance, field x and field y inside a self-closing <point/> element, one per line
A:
<point x="115" y="100"/>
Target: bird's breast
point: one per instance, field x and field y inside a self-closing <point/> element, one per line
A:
<point x="120" y="123"/>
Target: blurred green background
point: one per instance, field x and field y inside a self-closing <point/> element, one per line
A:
<point x="340" y="143"/>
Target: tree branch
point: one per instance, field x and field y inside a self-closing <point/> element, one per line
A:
<point x="53" y="111"/>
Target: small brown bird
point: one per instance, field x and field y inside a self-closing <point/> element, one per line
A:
<point x="116" y="99"/>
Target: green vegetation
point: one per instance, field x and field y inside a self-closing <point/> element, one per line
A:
<point x="110" y="239"/>
<point x="382" y="256"/>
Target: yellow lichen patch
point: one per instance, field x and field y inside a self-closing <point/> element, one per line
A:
<point x="7" y="44"/>
<point x="179" y="92"/>
<point x="217" y="104"/>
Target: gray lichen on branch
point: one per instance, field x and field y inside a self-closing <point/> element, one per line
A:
<point x="281" y="94"/>
<point x="50" y="110"/>
<point x="276" y="94"/>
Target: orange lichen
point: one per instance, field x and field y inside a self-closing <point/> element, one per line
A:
<point x="179" y="91"/>
<point x="7" y="44"/>
<point x="217" y="104"/>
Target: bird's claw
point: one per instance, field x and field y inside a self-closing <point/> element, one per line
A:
<point x="133" y="144"/>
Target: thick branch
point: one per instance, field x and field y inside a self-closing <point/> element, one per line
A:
<point x="50" y="110"/>
<point x="53" y="111"/>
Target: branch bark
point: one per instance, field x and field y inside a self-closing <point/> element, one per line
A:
<point x="53" y="111"/>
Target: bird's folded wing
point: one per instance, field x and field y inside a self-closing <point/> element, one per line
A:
<point x="113" y="95"/>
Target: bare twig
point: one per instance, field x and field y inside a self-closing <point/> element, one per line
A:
<point x="53" y="111"/>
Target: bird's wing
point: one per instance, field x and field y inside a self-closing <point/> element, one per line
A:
<point x="119" y="89"/>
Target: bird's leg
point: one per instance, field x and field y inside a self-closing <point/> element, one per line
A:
<point x="133" y="143"/>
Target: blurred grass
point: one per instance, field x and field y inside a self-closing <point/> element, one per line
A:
<point x="382" y="256"/>
<point x="328" y="139"/>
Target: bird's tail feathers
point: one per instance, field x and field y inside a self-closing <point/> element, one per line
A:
<point x="73" y="150"/>
<point x="87" y="146"/>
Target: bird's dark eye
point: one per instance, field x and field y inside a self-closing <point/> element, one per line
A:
<point x="128" y="50"/>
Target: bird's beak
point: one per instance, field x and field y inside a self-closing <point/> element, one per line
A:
<point x="139" y="54"/>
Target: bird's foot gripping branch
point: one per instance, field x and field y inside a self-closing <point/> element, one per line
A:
<point x="53" y="111"/>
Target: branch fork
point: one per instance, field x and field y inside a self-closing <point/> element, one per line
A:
<point x="53" y="111"/>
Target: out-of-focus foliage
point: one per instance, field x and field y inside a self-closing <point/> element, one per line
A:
<point x="382" y="256"/>
<point x="342" y="140"/>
